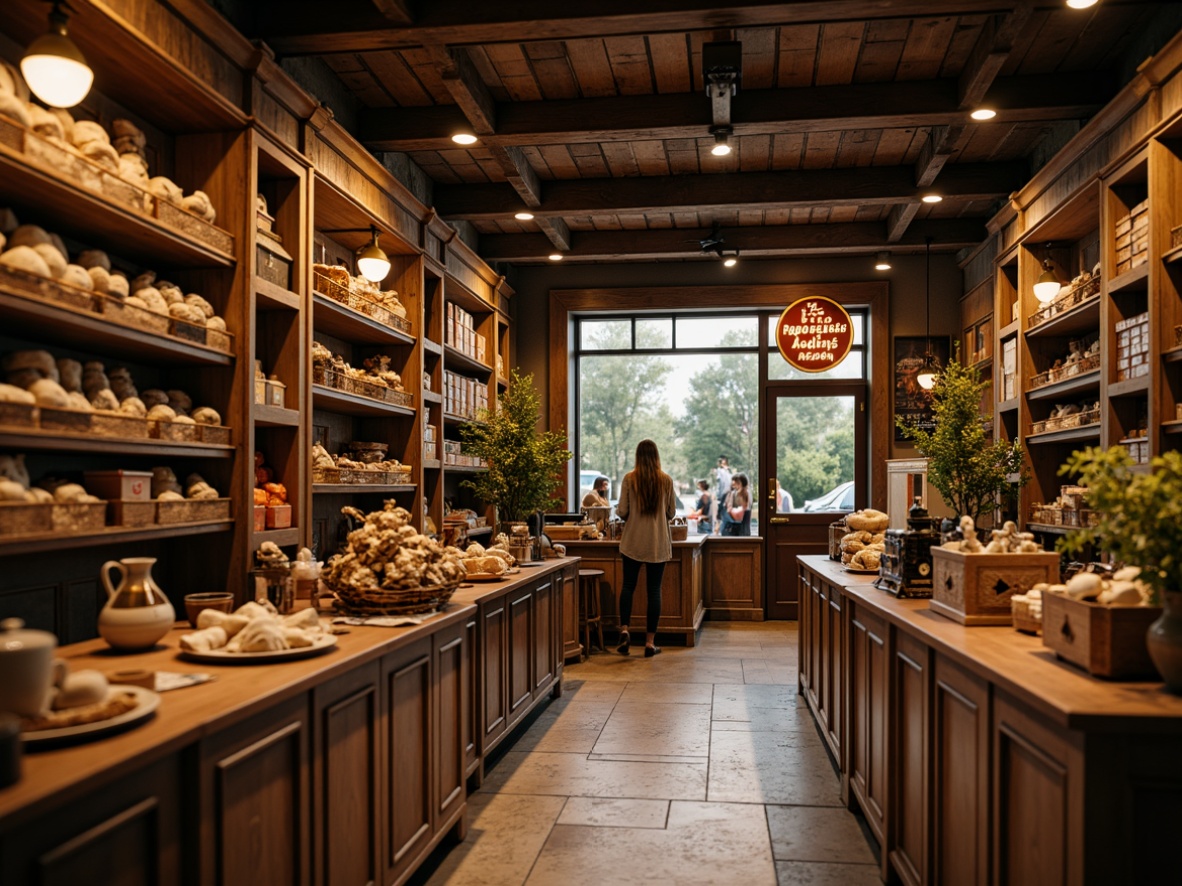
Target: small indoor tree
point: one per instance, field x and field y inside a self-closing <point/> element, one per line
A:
<point x="967" y="470"/>
<point x="524" y="467"/>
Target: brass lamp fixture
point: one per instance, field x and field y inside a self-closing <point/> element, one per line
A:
<point x="1046" y="287"/>
<point x="926" y="377"/>
<point x="54" y="67"/>
<point x="372" y="261"/>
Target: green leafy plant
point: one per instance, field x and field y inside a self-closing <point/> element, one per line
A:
<point x="968" y="471"/>
<point x="524" y="467"/>
<point x="1140" y="514"/>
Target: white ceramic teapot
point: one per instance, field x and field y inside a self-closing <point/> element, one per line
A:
<point x="27" y="668"/>
<point x="137" y="613"/>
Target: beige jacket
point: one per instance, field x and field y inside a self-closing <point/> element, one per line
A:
<point x="646" y="536"/>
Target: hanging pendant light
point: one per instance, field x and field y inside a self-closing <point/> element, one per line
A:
<point x="1047" y="286"/>
<point x="926" y="378"/>
<point x="372" y="261"/>
<point x="54" y="67"/>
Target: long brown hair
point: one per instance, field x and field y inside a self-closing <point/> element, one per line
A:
<point x="651" y="484"/>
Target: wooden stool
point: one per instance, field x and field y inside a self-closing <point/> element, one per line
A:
<point x="589" y="613"/>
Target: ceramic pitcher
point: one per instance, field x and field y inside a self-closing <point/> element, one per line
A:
<point x="137" y="613"/>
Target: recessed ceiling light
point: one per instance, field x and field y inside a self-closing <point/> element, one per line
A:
<point x="884" y="262"/>
<point x="523" y="216"/>
<point x="932" y="198"/>
<point x="556" y="256"/>
<point x="464" y="138"/>
<point x="1081" y="4"/>
<point x="983" y="114"/>
<point x="730" y="262"/>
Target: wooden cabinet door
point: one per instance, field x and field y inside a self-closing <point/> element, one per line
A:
<point x="346" y="778"/>
<point x="125" y="834"/>
<point x="472" y="733"/>
<point x="960" y="775"/>
<point x="451" y="728"/>
<point x="254" y="798"/>
<point x="834" y="671"/>
<point x="908" y="816"/>
<point x="868" y="716"/>
<point x="494" y="671"/>
<point x="522" y="620"/>
<point x="804" y="636"/>
<point x="571" y="647"/>
<point x="407" y="819"/>
<point x="1038" y="799"/>
<point x="546" y="642"/>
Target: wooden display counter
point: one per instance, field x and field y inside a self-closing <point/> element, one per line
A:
<point x="349" y="766"/>
<point x="975" y="755"/>
<point x="682" y="610"/>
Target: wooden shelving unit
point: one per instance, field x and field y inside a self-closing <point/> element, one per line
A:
<point x="56" y="541"/>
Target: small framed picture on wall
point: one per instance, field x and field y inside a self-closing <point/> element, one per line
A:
<point x="912" y="403"/>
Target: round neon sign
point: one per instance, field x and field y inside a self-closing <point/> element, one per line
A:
<point x="814" y="334"/>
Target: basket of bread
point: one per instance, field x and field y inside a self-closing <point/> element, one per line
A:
<point x="389" y="568"/>
<point x="488" y="564"/>
<point x="862" y="545"/>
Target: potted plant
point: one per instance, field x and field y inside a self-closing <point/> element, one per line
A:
<point x="971" y="474"/>
<point x="524" y="466"/>
<point x="1139" y="524"/>
<point x="968" y="471"/>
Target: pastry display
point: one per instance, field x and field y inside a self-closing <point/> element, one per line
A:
<point x="494" y="560"/>
<point x="360" y="294"/>
<point x="328" y="468"/>
<point x="253" y="628"/>
<point x="374" y="379"/>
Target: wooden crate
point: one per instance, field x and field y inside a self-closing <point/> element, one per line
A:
<point x="1106" y="641"/>
<point x="975" y="589"/>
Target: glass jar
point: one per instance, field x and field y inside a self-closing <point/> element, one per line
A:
<point x="274" y="584"/>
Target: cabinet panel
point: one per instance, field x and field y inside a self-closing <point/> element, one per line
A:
<point x="868" y="711"/>
<point x="960" y="773"/>
<point x="346" y="777"/>
<point x="470" y="728"/>
<point x="832" y="670"/>
<point x="495" y="663"/>
<point x="406" y="756"/>
<point x="451" y="682"/>
<point x="546" y="654"/>
<point x="570" y="613"/>
<point x="135" y="822"/>
<point x="254" y="791"/>
<point x="908" y="816"/>
<point x="521" y="634"/>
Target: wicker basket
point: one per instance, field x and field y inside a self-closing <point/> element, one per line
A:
<point x="679" y="531"/>
<point x="382" y="601"/>
<point x="1023" y="620"/>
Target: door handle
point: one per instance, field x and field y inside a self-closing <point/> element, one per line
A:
<point x="771" y="489"/>
<point x="779" y="521"/>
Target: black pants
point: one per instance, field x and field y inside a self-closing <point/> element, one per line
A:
<point x="652" y="581"/>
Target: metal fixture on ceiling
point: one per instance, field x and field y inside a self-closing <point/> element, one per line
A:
<point x="722" y="70"/>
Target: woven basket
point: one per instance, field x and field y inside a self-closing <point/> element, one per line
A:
<point x="382" y="601"/>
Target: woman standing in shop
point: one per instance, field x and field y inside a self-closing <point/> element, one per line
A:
<point x="647" y="504"/>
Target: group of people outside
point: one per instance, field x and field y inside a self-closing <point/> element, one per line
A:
<point x="725" y="509"/>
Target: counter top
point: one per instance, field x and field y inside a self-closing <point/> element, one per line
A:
<point x="1020" y="664"/>
<point x="187" y="715"/>
<point x="691" y="541"/>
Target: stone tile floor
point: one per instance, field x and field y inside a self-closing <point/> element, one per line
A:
<point x="699" y="766"/>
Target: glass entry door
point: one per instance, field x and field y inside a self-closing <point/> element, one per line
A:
<point x="814" y="453"/>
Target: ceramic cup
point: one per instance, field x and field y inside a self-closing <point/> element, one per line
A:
<point x="222" y="601"/>
<point x="28" y="669"/>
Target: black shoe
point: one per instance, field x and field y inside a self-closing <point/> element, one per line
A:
<point x="624" y="648"/>
<point x="650" y="651"/>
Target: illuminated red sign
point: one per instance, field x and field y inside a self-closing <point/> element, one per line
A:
<point x="814" y="334"/>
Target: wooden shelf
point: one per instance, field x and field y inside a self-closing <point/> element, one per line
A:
<point x="464" y="469"/>
<point x="336" y="319"/>
<point x="353" y="404"/>
<point x="1172" y="255"/>
<point x="980" y="365"/>
<point x="1129" y="387"/>
<point x="1173" y="355"/>
<point x="502" y="382"/>
<point x="99" y="221"/>
<point x="88" y="330"/>
<point x="1077" y="383"/>
<point x="1084" y="317"/>
<point x="274" y="298"/>
<point x="360" y="488"/>
<point x="281" y="537"/>
<point x="56" y="541"/>
<point x="432" y="347"/>
<point x="1172" y="427"/>
<point x="1008" y="405"/>
<point x="450" y="419"/>
<point x="432" y="464"/>
<point x="481" y="530"/>
<point x="457" y="360"/>
<point x="1051" y="528"/>
<point x="275" y="416"/>
<point x="55" y="441"/>
<point x="1083" y="432"/>
<point x="432" y="397"/>
<point x="1136" y="278"/>
<point x="1010" y="329"/>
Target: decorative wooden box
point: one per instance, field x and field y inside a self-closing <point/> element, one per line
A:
<point x="1106" y="641"/>
<point x="975" y="589"/>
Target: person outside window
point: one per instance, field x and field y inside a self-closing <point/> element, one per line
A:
<point x="597" y="497"/>
<point x="736" y="516"/>
<point x="784" y="502"/>
<point x="722" y="488"/>
<point x="647" y="504"/>
<point x="703" y="507"/>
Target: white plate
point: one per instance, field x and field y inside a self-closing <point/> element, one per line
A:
<point x="221" y="656"/>
<point x="860" y="571"/>
<point x="146" y="702"/>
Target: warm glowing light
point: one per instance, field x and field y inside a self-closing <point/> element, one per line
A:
<point x="1047" y="286"/>
<point x="556" y="256"/>
<point x="983" y="114"/>
<point x="926" y="378"/>
<point x="1081" y="4"/>
<point x="54" y="68"/>
<point x="884" y="262"/>
<point x="372" y="262"/>
<point x="722" y="145"/>
<point x="931" y="198"/>
<point x="730" y="262"/>
<point x="523" y="216"/>
<point x="464" y="138"/>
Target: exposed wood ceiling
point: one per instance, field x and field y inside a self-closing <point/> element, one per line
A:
<point x="595" y="116"/>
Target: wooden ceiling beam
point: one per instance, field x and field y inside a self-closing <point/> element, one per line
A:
<point x="748" y="190"/>
<point x="397" y="12"/>
<point x="754" y="112"/>
<point x="312" y="27"/>
<point x="989" y="54"/>
<point x="556" y="232"/>
<point x="866" y="238"/>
